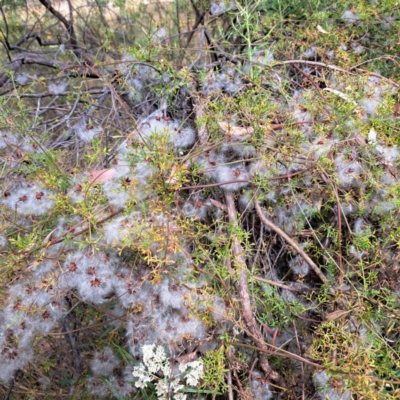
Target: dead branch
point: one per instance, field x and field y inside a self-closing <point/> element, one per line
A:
<point x="69" y="26"/>
<point x="282" y="234"/>
<point x="244" y="292"/>
<point x="28" y="58"/>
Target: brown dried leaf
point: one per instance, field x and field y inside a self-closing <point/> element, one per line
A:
<point x="235" y="131"/>
<point x="218" y="204"/>
<point x="187" y="358"/>
<point x="173" y="180"/>
<point x="336" y="315"/>
<point x="396" y="110"/>
<point x="101" y="175"/>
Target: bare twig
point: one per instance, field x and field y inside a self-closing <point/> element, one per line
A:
<point x="69" y="26"/>
<point x="336" y="68"/>
<point x="48" y="94"/>
<point x="11" y="385"/>
<point x="199" y="112"/>
<point x="199" y="20"/>
<point x="301" y="364"/>
<point x="219" y="49"/>
<point x="28" y="58"/>
<point x="308" y="76"/>
<point x="71" y="341"/>
<point x="244" y="292"/>
<point x="339" y="237"/>
<point x="200" y="52"/>
<point x="273" y="178"/>
<point x="230" y="390"/>
<point x="277" y="351"/>
<point x="280" y="232"/>
<point x="277" y="284"/>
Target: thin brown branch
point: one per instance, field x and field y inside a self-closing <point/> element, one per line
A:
<point x="285" y="236"/>
<point x="230" y="390"/>
<point x="274" y="178"/>
<point x="11" y="385"/>
<point x="218" y="48"/>
<point x="244" y="292"/>
<point x="308" y="76"/>
<point x="277" y="352"/>
<point x="336" y="68"/>
<point x="67" y="24"/>
<point x="199" y="20"/>
<point x="339" y="237"/>
<point x="277" y="284"/>
<point x="28" y="58"/>
<point x="72" y="343"/>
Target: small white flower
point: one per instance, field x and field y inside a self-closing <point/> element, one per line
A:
<point x="175" y="386"/>
<point x="162" y="388"/>
<point x="183" y="367"/>
<point x="196" y="373"/>
<point x="153" y="357"/>
<point x="155" y="360"/>
<point x="142" y="375"/>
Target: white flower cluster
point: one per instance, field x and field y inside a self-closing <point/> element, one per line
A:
<point x="156" y="360"/>
<point x="195" y="372"/>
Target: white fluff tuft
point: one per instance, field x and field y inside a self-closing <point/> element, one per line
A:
<point x="299" y="266"/>
<point x="3" y="240"/>
<point x="327" y="392"/>
<point x="350" y="18"/>
<point x="104" y="362"/>
<point x="259" y="388"/>
<point x="311" y="52"/>
<point x="22" y="79"/>
<point x="87" y="132"/>
<point x="227" y="173"/>
<point x="119" y="229"/>
<point x="348" y="172"/>
<point x="57" y="87"/>
<point x="370" y="104"/>
<point x="28" y="199"/>
<point x="118" y="195"/>
<point x="172" y="294"/>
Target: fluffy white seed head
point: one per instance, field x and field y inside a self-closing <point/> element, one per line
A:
<point x="299" y="266"/>
<point x="3" y="240"/>
<point x="350" y="18"/>
<point x="87" y="131"/>
<point x="260" y="389"/>
<point x="28" y="199"/>
<point x="370" y="104"/>
<point x="117" y="193"/>
<point x="227" y="173"/>
<point x="104" y="362"/>
<point x="22" y="78"/>
<point x="326" y="391"/>
<point x="217" y="7"/>
<point x="58" y="87"/>
<point x="311" y="52"/>
<point x="348" y="172"/>
<point x="246" y="203"/>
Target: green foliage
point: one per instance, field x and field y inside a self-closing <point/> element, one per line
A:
<point x="215" y="370"/>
